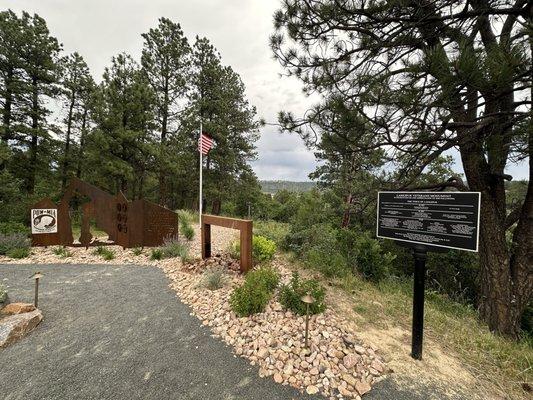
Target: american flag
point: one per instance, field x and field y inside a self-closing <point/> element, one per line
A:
<point x="205" y="143"/>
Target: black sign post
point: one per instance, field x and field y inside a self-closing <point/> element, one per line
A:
<point x="428" y="221"/>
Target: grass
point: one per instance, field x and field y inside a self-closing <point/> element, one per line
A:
<point x="170" y="249"/>
<point x="137" y="251"/>
<point x="456" y="327"/>
<point x="213" y="279"/>
<point x="105" y="253"/>
<point x="185" y="219"/>
<point x="62" y="252"/>
<point x="19" y="252"/>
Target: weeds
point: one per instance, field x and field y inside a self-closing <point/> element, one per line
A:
<point x="105" y="253"/>
<point x="62" y="252"/>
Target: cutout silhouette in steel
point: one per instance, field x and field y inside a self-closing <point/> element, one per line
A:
<point x="127" y="223"/>
<point x="246" y="230"/>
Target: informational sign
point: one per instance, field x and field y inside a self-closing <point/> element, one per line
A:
<point x="442" y="219"/>
<point x="43" y="220"/>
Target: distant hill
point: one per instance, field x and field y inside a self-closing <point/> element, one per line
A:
<point x="276" y="186"/>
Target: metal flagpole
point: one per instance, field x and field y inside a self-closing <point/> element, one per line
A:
<point x="200" y="202"/>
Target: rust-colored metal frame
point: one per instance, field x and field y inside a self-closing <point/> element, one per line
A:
<point x="246" y="231"/>
<point x="128" y="223"/>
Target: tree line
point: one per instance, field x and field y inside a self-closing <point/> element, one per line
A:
<point x="135" y="131"/>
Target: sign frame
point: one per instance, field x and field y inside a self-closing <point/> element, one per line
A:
<point x="53" y="212"/>
<point x="431" y="245"/>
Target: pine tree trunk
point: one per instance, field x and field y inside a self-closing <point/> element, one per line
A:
<point x="67" y="142"/>
<point x="8" y="101"/>
<point x="30" y="182"/>
<point x="506" y="276"/>
<point x="82" y="144"/>
<point x="163" y="192"/>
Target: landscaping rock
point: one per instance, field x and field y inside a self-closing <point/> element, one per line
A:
<point x="17" y="308"/>
<point x="16" y="326"/>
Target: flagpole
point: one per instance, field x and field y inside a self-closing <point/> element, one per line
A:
<point x="200" y="202"/>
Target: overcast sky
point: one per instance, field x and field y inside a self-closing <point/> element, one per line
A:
<point x="239" y="29"/>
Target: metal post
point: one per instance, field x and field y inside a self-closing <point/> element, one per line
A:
<point x="420" y="255"/>
<point x="200" y="204"/>
<point x="307" y="326"/>
<point x="36" y="299"/>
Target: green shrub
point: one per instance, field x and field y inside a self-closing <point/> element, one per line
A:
<point x="156" y="254"/>
<point x="263" y="249"/>
<point x="9" y="228"/>
<point x="3" y="293"/>
<point x="213" y="279"/>
<point x="185" y="219"/>
<point x="253" y="295"/>
<point x="264" y="276"/>
<point x="19" y="252"/>
<point x="272" y="230"/>
<point x="371" y="261"/>
<point x="290" y="295"/>
<point x="249" y="299"/>
<point x="137" y="251"/>
<point x="188" y="232"/>
<point x="13" y="241"/>
<point x="62" y="252"/>
<point x="105" y="253"/>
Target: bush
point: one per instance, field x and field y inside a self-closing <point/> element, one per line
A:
<point x="172" y="247"/>
<point x="62" y="252"/>
<point x="264" y="276"/>
<point x="156" y="254"/>
<point x="188" y="232"/>
<point x="105" y="253"/>
<point x="372" y="262"/>
<point x="249" y="299"/>
<point x="9" y="228"/>
<point x="20" y="252"/>
<point x="272" y="230"/>
<point x="290" y="295"/>
<point x="263" y="249"/>
<point x="185" y="219"/>
<point x="3" y="293"/>
<point x="137" y="251"/>
<point x="253" y="295"/>
<point x="214" y="279"/>
<point x="13" y="241"/>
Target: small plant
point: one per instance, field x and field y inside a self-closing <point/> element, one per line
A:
<point x="13" y="241"/>
<point x="20" y="252"/>
<point x="187" y="231"/>
<point x="137" y="251"/>
<point x="3" y="293"/>
<point x="214" y="279"/>
<point x="263" y="249"/>
<point x="373" y="263"/>
<point x="156" y="254"/>
<point x="185" y="219"/>
<point x="9" y="228"/>
<point x="62" y="252"/>
<point x="290" y="295"/>
<point x="105" y="253"/>
<point x="253" y="295"/>
<point x="264" y="276"/>
<point x="172" y="247"/>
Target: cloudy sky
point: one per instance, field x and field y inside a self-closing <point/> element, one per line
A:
<point x="239" y="29"/>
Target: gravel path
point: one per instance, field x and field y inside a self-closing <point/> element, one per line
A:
<point x="119" y="332"/>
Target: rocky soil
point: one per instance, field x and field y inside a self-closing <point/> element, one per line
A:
<point x="337" y="364"/>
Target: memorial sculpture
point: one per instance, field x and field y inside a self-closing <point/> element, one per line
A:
<point x="128" y="224"/>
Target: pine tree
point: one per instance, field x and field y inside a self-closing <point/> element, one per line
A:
<point x="166" y="63"/>
<point x="121" y="147"/>
<point x="76" y="82"/>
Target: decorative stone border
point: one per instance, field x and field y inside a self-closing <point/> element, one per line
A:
<point x="337" y="365"/>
